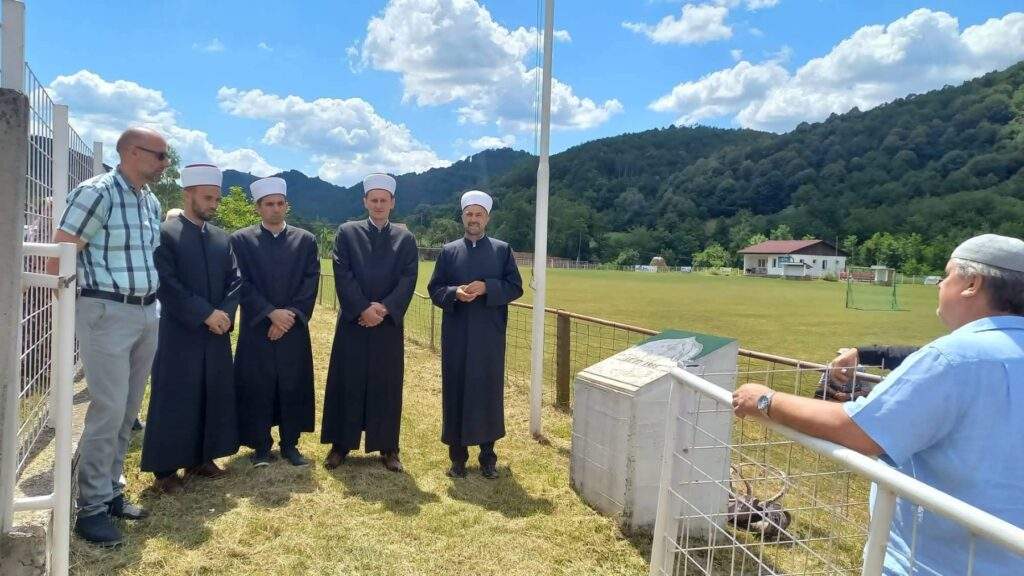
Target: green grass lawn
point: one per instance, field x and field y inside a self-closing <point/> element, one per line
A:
<point x="361" y="519"/>
<point x="800" y="319"/>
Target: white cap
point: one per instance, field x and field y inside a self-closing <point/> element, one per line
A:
<point x="479" y="198"/>
<point x="379" y="181"/>
<point x="200" y="175"/>
<point x="173" y="212"/>
<point x="994" y="250"/>
<point x="267" y="186"/>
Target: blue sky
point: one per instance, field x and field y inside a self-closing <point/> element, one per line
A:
<point x="340" y="88"/>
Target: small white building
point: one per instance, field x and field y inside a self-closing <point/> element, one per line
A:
<point x="770" y="258"/>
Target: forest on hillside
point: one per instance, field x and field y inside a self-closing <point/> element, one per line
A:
<point x="900" y="185"/>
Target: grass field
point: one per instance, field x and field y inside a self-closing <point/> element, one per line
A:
<point x="801" y="319"/>
<point x="361" y="519"/>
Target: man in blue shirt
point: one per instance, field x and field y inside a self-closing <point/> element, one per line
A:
<point x="951" y="415"/>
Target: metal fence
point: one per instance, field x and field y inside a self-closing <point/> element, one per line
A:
<point x="574" y="341"/>
<point x="58" y="160"/>
<point x="752" y="497"/>
<point x="37" y="307"/>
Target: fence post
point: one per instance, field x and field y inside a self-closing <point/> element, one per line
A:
<point x="61" y="154"/>
<point x="563" y="372"/>
<point x="432" y="321"/>
<point x="13" y="60"/>
<point x="878" y="531"/>
<point x="666" y="522"/>
<point x="62" y="396"/>
<point x="13" y="170"/>
<point x="97" y="158"/>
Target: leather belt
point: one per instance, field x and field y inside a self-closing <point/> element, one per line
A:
<point x="123" y="298"/>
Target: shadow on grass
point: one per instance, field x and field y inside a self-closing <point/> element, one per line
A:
<point x="183" y="518"/>
<point x="269" y="487"/>
<point x="505" y="494"/>
<point x="640" y="540"/>
<point x="365" y="477"/>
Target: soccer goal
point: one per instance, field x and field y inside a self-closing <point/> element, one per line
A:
<point x="871" y="288"/>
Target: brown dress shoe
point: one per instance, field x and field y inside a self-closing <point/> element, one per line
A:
<point x="334" y="459"/>
<point x="167" y="485"/>
<point x="391" y="462"/>
<point x="206" y="470"/>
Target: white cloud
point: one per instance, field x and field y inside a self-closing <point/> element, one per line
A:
<point x="759" y="4"/>
<point x="491" y="142"/>
<point x="919" y="52"/>
<point x="721" y="93"/>
<point x="756" y="32"/>
<point x="736" y="54"/>
<point x="265" y="47"/>
<point x="697" y="24"/>
<point x="101" y="110"/>
<point x="214" y="45"/>
<point x="453" y="52"/>
<point x="345" y="136"/>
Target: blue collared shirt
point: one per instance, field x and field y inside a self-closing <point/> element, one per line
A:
<point x="121" y="228"/>
<point x="952" y="416"/>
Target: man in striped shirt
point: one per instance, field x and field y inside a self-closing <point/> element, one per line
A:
<point x="114" y="220"/>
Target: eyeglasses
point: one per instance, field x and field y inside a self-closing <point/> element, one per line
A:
<point x="161" y="156"/>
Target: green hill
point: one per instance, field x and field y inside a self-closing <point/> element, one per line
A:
<point x="912" y="178"/>
<point x="900" y="184"/>
<point x="316" y="199"/>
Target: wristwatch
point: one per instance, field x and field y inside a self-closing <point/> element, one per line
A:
<point x="764" y="403"/>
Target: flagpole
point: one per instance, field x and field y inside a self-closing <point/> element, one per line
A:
<point x="540" y="250"/>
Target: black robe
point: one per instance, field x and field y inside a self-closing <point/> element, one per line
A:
<point x="473" y="338"/>
<point x="191" y="416"/>
<point x="364" y="380"/>
<point x="274" y="379"/>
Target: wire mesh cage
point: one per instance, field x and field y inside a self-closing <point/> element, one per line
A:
<point x="783" y="508"/>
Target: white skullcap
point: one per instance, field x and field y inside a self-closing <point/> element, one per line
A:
<point x="200" y="175"/>
<point x="379" y="182"/>
<point x="267" y="186"/>
<point x="994" y="250"/>
<point x="172" y="213"/>
<point x="479" y="198"/>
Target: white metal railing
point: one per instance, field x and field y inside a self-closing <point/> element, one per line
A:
<point x="62" y="287"/>
<point x="690" y="531"/>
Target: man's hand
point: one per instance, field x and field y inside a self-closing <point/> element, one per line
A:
<point x="371" y="317"/>
<point x="218" y="322"/>
<point x="275" y="332"/>
<point x="842" y="368"/>
<point x="744" y="399"/>
<point x="53" y="264"/>
<point x="283" y="319"/>
<point x="477" y="288"/>
<point x="381" y="309"/>
<point x="463" y="295"/>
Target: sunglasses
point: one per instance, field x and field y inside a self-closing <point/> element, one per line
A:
<point x="161" y="156"/>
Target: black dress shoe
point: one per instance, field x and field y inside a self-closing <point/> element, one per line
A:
<point x="391" y="462"/>
<point x="98" y="529"/>
<point x="489" y="471"/>
<point x="458" y="470"/>
<point x="120" y="508"/>
<point x="293" y="456"/>
<point x="335" y="458"/>
<point x="261" y="458"/>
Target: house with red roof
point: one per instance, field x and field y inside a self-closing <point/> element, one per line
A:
<point x="793" y="259"/>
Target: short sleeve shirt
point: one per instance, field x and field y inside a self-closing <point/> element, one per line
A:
<point x="121" y="228"/>
<point x="952" y="416"/>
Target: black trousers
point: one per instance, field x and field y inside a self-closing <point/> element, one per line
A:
<point x="286" y="441"/>
<point x="460" y="454"/>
